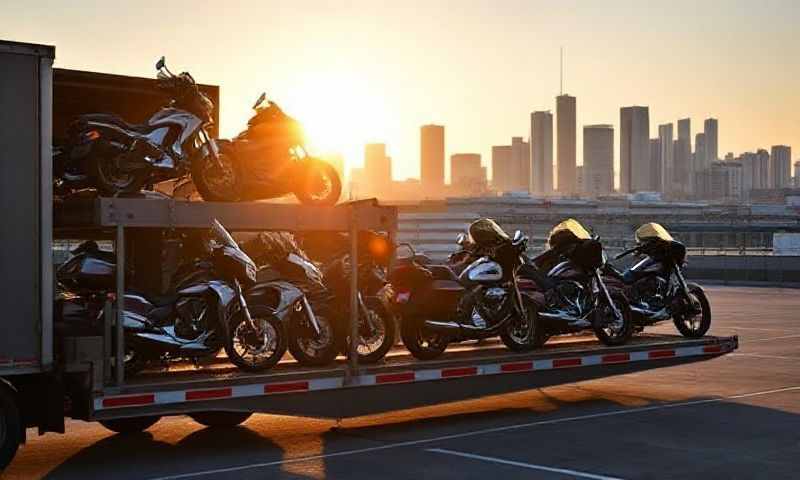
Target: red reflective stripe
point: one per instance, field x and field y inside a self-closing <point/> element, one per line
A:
<point x="129" y="400"/>
<point x="566" y="362"/>
<point x="207" y="394"/>
<point x="712" y="349"/>
<point x="516" y="367"/>
<point x="661" y="354"/>
<point x="459" y="372"/>
<point x="395" y="377"/>
<point x="286" y="387"/>
<point x="616" y="357"/>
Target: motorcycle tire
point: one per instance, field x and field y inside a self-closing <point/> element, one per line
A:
<point x="625" y="332"/>
<point x="383" y="316"/>
<point x="417" y="341"/>
<point x="697" y="292"/>
<point x="238" y="346"/>
<point x="14" y="430"/>
<point x="220" y="419"/>
<point x="212" y="189"/>
<point x="534" y="339"/>
<point x="313" y="172"/>
<point x="130" y="425"/>
<point x="308" y="348"/>
<point x="107" y="179"/>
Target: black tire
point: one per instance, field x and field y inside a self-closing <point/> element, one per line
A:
<point x="608" y="335"/>
<point x="264" y="351"/>
<point x="386" y="320"/>
<point x="317" y="174"/>
<point x="423" y="345"/>
<point x="701" y="328"/>
<point x="220" y="419"/>
<point x="209" y="181"/>
<point x="130" y="425"/>
<point x="102" y="168"/>
<point x="306" y="346"/>
<point x="10" y="426"/>
<point x="534" y="335"/>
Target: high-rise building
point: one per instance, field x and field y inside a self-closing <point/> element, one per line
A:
<point x="711" y="129"/>
<point x="467" y="176"/>
<point x="432" y="160"/>
<point x="566" y="144"/>
<point x="700" y="152"/>
<point x="797" y="174"/>
<point x="501" y="168"/>
<point x="761" y="178"/>
<point x="667" y="159"/>
<point x="634" y="149"/>
<point x="780" y="166"/>
<point x="377" y="170"/>
<point x="542" y="152"/>
<point x="683" y="167"/>
<point x="748" y="162"/>
<point x="580" y="180"/>
<point x="598" y="160"/>
<point x="656" y="163"/>
<point x="520" y="165"/>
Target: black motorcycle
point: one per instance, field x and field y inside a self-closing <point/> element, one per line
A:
<point x="566" y="284"/>
<point x="205" y="312"/>
<point x="269" y="160"/>
<point x="106" y="152"/>
<point x="656" y="287"/>
<point x="438" y="307"/>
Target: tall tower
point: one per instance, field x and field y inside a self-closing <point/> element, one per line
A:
<point x="634" y="149"/>
<point x="780" y="166"/>
<point x="432" y="160"/>
<point x="520" y="165"/>
<point x="377" y="168"/>
<point x="656" y="165"/>
<point x="566" y="141"/>
<point x="667" y="157"/>
<point x="542" y="152"/>
<point x="598" y="159"/>
<point x="501" y="168"/>
<point x="711" y="129"/>
<point x="683" y="167"/>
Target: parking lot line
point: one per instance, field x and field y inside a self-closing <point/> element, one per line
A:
<point x="507" y="428"/>
<point x="758" y="355"/>
<point x="531" y="466"/>
<point x="796" y="335"/>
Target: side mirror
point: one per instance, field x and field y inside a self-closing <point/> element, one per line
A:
<point x="162" y="62"/>
<point x="461" y="239"/>
<point x="517" y="236"/>
<point x="260" y="100"/>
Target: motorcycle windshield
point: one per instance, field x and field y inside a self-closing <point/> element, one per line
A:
<point x="567" y="232"/>
<point x="651" y="231"/>
<point x="221" y="236"/>
<point x="486" y="232"/>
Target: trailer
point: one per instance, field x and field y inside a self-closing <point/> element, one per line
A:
<point x="47" y="377"/>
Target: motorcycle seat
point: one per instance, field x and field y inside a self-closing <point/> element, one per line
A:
<point x="160" y="314"/>
<point x="530" y="272"/>
<point x="115" y="120"/>
<point x="442" y="272"/>
<point x="446" y="286"/>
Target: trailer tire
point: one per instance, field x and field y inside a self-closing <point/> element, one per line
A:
<point x="10" y="426"/>
<point x="130" y="425"/>
<point x="219" y="419"/>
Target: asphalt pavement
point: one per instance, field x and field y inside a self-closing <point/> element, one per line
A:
<point x="737" y="416"/>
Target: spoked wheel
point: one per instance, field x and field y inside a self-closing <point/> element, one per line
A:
<point x="130" y="425"/>
<point x="256" y="351"/>
<point x="610" y="328"/>
<point x="320" y="184"/>
<point x="523" y="335"/>
<point x="216" y="181"/>
<point x="377" y="333"/>
<point x="695" y="320"/>
<point x="420" y="341"/>
<point x="112" y="171"/>
<point x="307" y="346"/>
<point x="220" y="419"/>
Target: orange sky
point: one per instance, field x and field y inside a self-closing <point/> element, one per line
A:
<point x="357" y="72"/>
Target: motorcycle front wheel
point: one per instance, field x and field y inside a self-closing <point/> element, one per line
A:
<point x="377" y="333"/>
<point x="308" y="347"/>
<point x="319" y="184"/>
<point x="217" y="182"/>
<point x="696" y="320"/>
<point x="256" y="351"/>
<point x="524" y="335"/>
<point x="423" y="344"/>
<point x="613" y="331"/>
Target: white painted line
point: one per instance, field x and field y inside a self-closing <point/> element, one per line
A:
<point x="757" y="355"/>
<point x="796" y="335"/>
<point x="473" y="433"/>
<point x="736" y="327"/>
<point x="530" y="466"/>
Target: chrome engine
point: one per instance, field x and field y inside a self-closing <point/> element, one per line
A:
<point x="569" y="297"/>
<point x="651" y="292"/>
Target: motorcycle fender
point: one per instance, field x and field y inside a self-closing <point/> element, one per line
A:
<point x="227" y="303"/>
<point x="287" y="293"/>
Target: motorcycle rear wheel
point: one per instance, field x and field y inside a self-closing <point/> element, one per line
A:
<point x="422" y="344"/>
<point x="109" y="178"/>
<point x="217" y="183"/>
<point x="319" y="184"/>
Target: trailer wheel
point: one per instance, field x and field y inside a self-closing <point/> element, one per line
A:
<point x="10" y="427"/>
<point x="130" y="425"/>
<point x="220" y="419"/>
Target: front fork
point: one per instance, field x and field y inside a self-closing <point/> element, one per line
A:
<point x="685" y="289"/>
<point x="604" y="290"/>
<point x="243" y="305"/>
<point x="312" y="319"/>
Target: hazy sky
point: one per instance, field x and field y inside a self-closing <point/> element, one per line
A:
<point x="355" y="72"/>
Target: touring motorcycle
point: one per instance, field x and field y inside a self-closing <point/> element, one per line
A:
<point x="116" y="157"/>
<point x="269" y="160"/>
<point x="571" y="295"/>
<point x="205" y="312"/>
<point x="656" y="286"/>
<point x="438" y="307"/>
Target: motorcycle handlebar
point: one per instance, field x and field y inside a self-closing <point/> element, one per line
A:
<point x="626" y="253"/>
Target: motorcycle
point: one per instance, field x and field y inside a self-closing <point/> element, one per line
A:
<point x="206" y="312"/>
<point x="116" y="157"/>
<point x="328" y="290"/>
<point x="656" y="286"/>
<point x="269" y="160"/>
<point x="438" y="307"/>
<point x="572" y="295"/>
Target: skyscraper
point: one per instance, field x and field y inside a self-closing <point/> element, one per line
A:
<point x="667" y="155"/>
<point x="701" y="152"/>
<point x="656" y="163"/>
<point x="566" y="133"/>
<point x="520" y="165"/>
<point x="598" y="160"/>
<point x="542" y="152"/>
<point x="377" y="169"/>
<point x="683" y="167"/>
<point x="797" y="174"/>
<point x="501" y="168"/>
<point x="467" y="175"/>
<point x="432" y="160"/>
<point x="781" y="166"/>
<point x="761" y="177"/>
<point x="634" y="149"/>
<point x="711" y="129"/>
